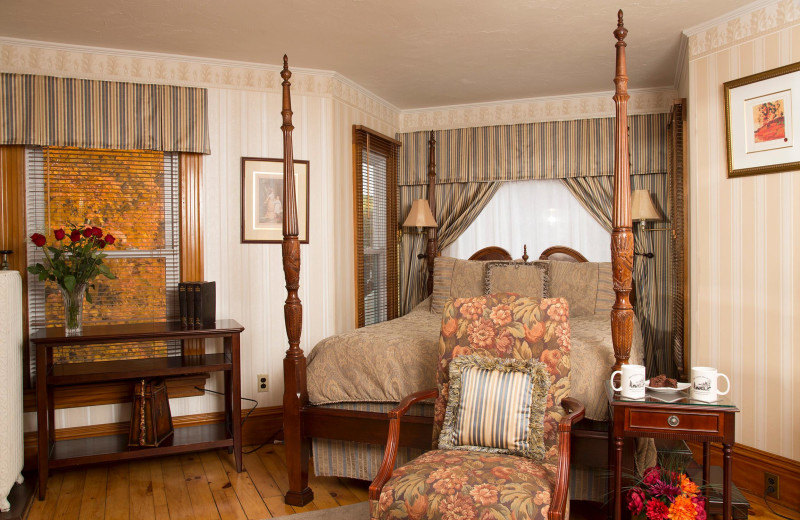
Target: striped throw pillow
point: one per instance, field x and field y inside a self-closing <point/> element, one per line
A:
<point x="496" y="405"/>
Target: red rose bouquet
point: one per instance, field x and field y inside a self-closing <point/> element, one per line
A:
<point x="73" y="264"/>
<point x="666" y="495"/>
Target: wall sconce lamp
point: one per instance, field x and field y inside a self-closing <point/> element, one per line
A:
<point x="420" y="217"/>
<point x="642" y="210"/>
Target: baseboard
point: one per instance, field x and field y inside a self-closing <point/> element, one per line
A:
<point x="262" y="424"/>
<point x="749" y="465"/>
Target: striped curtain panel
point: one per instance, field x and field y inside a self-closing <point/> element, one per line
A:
<point x="549" y="150"/>
<point x="457" y="206"/>
<point x="50" y="111"/>
<point x="652" y="277"/>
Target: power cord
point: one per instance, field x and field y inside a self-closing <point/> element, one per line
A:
<point x="268" y="441"/>
<point x="770" y="507"/>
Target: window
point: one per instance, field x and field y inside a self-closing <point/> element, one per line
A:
<point x="132" y="194"/>
<point x="375" y="200"/>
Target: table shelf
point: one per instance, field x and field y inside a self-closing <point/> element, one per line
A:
<point x="74" y="452"/>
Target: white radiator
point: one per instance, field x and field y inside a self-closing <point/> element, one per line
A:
<point x="11" y="431"/>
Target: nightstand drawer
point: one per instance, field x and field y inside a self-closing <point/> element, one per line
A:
<point x="661" y="421"/>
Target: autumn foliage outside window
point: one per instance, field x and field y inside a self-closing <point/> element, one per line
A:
<point x="132" y="194"/>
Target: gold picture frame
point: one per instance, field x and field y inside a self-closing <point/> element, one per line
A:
<point x="763" y="122"/>
<point x="262" y="200"/>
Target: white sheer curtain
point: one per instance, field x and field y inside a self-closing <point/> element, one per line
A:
<point x="539" y="213"/>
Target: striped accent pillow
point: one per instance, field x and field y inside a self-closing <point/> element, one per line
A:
<point x="496" y="405"/>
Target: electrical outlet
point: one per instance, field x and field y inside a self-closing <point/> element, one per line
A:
<point x="772" y="485"/>
<point x="263" y="383"/>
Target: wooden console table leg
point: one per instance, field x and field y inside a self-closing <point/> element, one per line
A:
<point x="236" y="401"/>
<point x="727" y="466"/>
<point x="706" y="463"/>
<point x="618" y="443"/>
<point x="42" y="417"/>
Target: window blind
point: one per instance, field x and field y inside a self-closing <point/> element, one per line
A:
<point x="375" y="200"/>
<point x="132" y="194"/>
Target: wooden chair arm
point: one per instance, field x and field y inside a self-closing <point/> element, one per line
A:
<point x="575" y="412"/>
<point x="393" y="439"/>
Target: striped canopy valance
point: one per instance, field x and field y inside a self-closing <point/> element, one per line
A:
<point x="550" y="150"/>
<point x="50" y="111"/>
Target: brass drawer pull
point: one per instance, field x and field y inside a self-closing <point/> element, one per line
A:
<point x="673" y="420"/>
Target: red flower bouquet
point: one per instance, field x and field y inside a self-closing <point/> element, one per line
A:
<point x="73" y="264"/>
<point x="666" y="495"/>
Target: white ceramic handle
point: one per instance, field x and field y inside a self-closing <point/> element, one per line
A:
<point x="726" y="380"/>
<point x="620" y="381"/>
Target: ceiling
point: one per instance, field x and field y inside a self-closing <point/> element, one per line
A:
<point x="412" y="53"/>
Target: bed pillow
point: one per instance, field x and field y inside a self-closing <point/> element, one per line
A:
<point x="454" y="278"/>
<point x="516" y="277"/>
<point x="587" y="286"/>
<point x="507" y="325"/>
<point x="496" y="406"/>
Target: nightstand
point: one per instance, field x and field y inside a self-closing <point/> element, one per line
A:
<point x="672" y="415"/>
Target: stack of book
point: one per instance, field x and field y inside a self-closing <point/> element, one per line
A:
<point x="197" y="304"/>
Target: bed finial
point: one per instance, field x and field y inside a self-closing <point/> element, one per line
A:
<point x="525" y="253"/>
<point x="622" y="234"/>
<point x="295" y="393"/>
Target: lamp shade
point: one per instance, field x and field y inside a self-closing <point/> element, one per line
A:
<point x="642" y="207"/>
<point x="420" y="215"/>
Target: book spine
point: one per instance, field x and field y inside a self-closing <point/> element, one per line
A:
<point x="182" y="305"/>
<point x="209" y="304"/>
<point x="190" y="305"/>
<point x="198" y="305"/>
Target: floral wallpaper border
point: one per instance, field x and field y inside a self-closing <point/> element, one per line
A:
<point x="751" y="24"/>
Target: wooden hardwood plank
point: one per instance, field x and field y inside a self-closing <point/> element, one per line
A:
<point x="197" y="486"/>
<point x="277" y="507"/>
<point x="360" y="488"/>
<point x="141" y="491"/>
<point x="93" y="502"/>
<point x="251" y="501"/>
<point x="178" y="502"/>
<point x="118" y="493"/>
<point x="222" y="490"/>
<point x="276" y="467"/>
<point x="266" y="486"/>
<point x="46" y="509"/>
<point x="69" y="500"/>
<point x="331" y="492"/>
<point x="160" y="508"/>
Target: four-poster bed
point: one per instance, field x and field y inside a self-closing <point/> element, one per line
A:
<point x="302" y="421"/>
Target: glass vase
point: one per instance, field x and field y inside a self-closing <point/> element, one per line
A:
<point x="73" y="309"/>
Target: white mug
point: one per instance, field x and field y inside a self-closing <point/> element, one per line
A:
<point x="632" y="381"/>
<point x="704" y="384"/>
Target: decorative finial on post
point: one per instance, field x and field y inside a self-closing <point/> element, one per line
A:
<point x="525" y="253"/>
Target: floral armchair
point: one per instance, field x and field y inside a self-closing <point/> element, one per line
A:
<point x="469" y="482"/>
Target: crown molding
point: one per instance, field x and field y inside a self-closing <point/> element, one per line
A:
<point x="727" y="17"/>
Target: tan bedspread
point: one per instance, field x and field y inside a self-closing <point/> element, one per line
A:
<point x="388" y="361"/>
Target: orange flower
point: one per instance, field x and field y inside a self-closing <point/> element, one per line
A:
<point x="688" y="487"/>
<point x="535" y="333"/>
<point x="449" y="327"/>
<point x="682" y="509"/>
<point x="501" y="315"/>
<point x="481" y="333"/>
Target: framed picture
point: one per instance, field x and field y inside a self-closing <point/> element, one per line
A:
<point x="763" y="122"/>
<point x="262" y="200"/>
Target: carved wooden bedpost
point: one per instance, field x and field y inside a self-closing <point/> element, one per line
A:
<point x="622" y="235"/>
<point x="432" y="232"/>
<point x="295" y="394"/>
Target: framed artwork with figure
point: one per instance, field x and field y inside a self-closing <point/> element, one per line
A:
<point x="763" y="122"/>
<point x="262" y="200"/>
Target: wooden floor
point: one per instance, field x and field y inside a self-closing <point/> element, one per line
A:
<point x="206" y="486"/>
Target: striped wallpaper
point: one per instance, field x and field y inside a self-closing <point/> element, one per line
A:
<point x="47" y="110"/>
<point x="546" y="150"/>
<point x="745" y="238"/>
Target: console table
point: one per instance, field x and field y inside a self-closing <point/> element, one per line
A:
<point x="672" y="415"/>
<point x="59" y="454"/>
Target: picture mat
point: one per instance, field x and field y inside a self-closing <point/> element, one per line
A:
<point x="260" y="174"/>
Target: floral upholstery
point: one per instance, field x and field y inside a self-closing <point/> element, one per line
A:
<point x="450" y="484"/>
<point x="506" y="325"/>
<point x="466" y="485"/>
